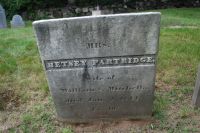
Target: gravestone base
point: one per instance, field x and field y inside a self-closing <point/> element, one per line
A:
<point x="115" y="126"/>
<point x="82" y="121"/>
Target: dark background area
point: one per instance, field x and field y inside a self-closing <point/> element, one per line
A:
<point x="29" y="8"/>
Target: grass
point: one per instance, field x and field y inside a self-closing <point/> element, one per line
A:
<point x="26" y="105"/>
<point x="180" y="17"/>
<point x="179" y="55"/>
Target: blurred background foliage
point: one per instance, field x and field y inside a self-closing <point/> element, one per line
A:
<point x="30" y="6"/>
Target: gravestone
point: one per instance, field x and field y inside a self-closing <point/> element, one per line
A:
<point x="100" y="67"/>
<point x="96" y="12"/>
<point x="196" y="94"/>
<point x="3" y="23"/>
<point x="17" y="21"/>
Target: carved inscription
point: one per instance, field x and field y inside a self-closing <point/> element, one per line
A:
<point x="109" y="108"/>
<point x="126" y="88"/>
<point x="110" y="89"/>
<point x="100" y="78"/>
<point x="73" y="100"/>
<point x="78" y="90"/>
<point x="100" y="100"/>
<point x="95" y="102"/>
<point x="129" y="98"/>
<point x="99" y="62"/>
<point x="96" y="45"/>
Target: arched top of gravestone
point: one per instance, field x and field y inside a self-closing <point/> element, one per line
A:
<point x="17" y="18"/>
<point x="17" y="21"/>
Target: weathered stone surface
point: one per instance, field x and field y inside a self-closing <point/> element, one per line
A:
<point x="196" y="94"/>
<point x="17" y="21"/>
<point x="100" y="67"/>
<point x="96" y="12"/>
<point x="3" y="23"/>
